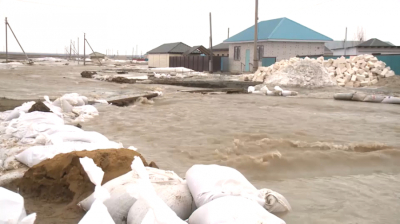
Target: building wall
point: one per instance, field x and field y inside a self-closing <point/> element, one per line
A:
<point x="378" y="50"/>
<point x="349" y="51"/>
<point x="223" y="53"/>
<point x="160" y="60"/>
<point x="279" y="49"/>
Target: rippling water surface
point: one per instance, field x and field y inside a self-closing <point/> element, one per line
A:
<point x="335" y="161"/>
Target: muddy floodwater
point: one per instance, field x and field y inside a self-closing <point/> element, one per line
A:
<point x="335" y="161"/>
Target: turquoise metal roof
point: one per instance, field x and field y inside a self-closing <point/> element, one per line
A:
<point x="279" y="29"/>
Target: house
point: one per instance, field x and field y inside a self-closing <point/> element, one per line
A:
<point x="97" y="55"/>
<point x="372" y="46"/>
<point x="221" y="49"/>
<point x="277" y="39"/>
<point x="159" y="56"/>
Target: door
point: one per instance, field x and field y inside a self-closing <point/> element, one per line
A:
<point x="247" y="61"/>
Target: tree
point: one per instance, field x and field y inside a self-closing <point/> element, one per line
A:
<point x="360" y="34"/>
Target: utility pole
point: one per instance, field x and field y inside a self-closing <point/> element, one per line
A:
<point x="84" y="48"/>
<point x="6" y="43"/>
<point x="7" y="24"/>
<point x="133" y="52"/>
<point x="344" y="45"/>
<point x="70" y="49"/>
<point x="228" y="32"/>
<point x="211" y="50"/>
<point x="255" y="61"/>
<point x="78" y="50"/>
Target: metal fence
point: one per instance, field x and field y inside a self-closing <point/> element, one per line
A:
<point x="196" y="63"/>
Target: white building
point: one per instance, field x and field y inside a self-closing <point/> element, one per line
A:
<point x="277" y="39"/>
<point x="372" y="46"/>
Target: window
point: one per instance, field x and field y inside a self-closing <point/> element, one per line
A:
<point x="260" y="52"/>
<point x="236" y="53"/>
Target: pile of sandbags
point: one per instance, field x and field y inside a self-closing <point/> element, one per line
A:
<point x="357" y="71"/>
<point x="30" y="137"/>
<point x="149" y="195"/>
<point x="12" y="209"/>
<point x="262" y="89"/>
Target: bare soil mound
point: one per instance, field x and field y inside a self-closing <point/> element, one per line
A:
<point x="390" y="82"/>
<point x="63" y="178"/>
<point x="53" y="187"/>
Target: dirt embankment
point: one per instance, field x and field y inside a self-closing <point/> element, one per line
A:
<point x="53" y="188"/>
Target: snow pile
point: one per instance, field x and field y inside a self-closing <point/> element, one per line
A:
<point x="361" y="70"/>
<point x="10" y="65"/>
<point x="51" y="59"/>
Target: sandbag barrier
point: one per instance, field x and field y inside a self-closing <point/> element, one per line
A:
<point x="263" y="90"/>
<point x="362" y="97"/>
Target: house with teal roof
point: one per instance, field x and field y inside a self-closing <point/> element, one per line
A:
<point x="278" y="39"/>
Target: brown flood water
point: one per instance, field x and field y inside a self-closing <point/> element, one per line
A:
<point x="335" y="161"/>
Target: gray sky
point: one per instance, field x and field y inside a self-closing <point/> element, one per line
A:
<point x="48" y="25"/>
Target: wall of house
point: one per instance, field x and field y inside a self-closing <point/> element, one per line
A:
<point x="349" y="51"/>
<point x="279" y="49"/>
<point x="160" y="60"/>
<point x="378" y="50"/>
<point x="223" y="53"/>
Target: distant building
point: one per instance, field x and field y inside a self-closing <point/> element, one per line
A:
<point x="97" y="55"/>
<point x="372" y="46"/>
<point x="159" y="56"/>
<point x="221" y="49"/>
<point x="277" y="39"/>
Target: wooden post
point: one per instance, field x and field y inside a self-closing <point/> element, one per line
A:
<point x="84" y="48"/>
<point x="255" y="61"/>
<point x="93" y="51"/>
<point x="228" y="32"/>
<point x="6" y="43"/>
<point x="17" y="41"/>
<point x="211" y="50"/>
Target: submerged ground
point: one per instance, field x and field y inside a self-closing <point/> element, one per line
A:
<point x="335" y="161"/>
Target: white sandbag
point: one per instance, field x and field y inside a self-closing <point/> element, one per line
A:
<point x="120" y="200"/>
<point x="12" y="210"/>
<point x="155" y="175"/>
<point x="86" y="109"/>
<point x="98" y="213"/>
<point x="343" y="96"/>
<point x="85" y="136"/>
<point x="359" y="96"/>
<point x="23" y="108"/>
<point x="391" y="99"/>
<point x="250" y="89"/>
<point x="233" y="209"/>
<point x="18" y="127"/>
<point x="162" y="212"/>
<point x="209" y="182"/>
<point x="373" y="98"/>
<point x="84" y="99"/>
<point x="176" y="195"/>
<point x="36" y="154"/>
<point x="65" y="105"/>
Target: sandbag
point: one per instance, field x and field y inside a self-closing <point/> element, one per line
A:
<point x="373" y="98"/>
<point x="176" y="195"/>
<point x="158" y="208"/>
<point x="23" y="108"/>
<point x="391" y="99"/>
<point x="233" y="209"/>
<point x="36" y="154"/>
<point x="86" y="109"/>
<point x="12" y="210"/>
<point x="98" y="213"/>
<point x="358" y="96"/>
<point x="209" y="182"/>
<point x="121" y="183"/>
<point x="85" y="136"/>
<point x="343" y="96"/>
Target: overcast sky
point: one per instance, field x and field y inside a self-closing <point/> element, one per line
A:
<point x="49" y="25"/>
